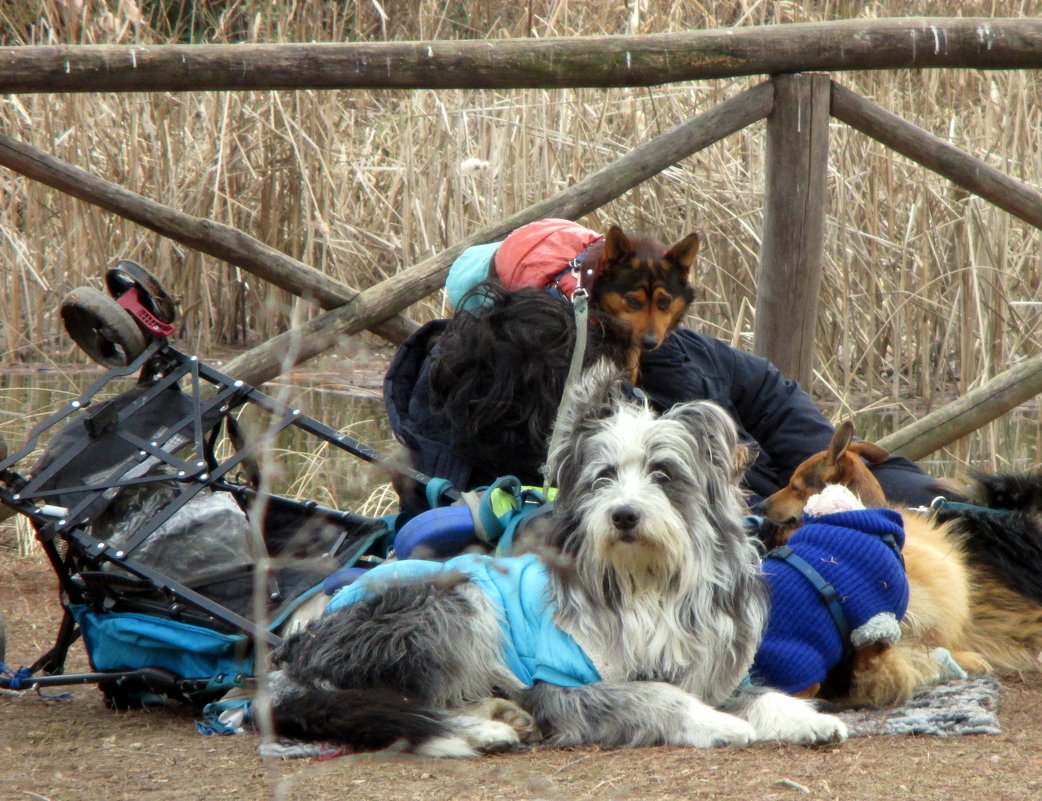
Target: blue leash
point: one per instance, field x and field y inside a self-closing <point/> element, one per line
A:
<point x="16" y="681"/>
<point x="15" y="678"/>
<point x="942" y="504"/>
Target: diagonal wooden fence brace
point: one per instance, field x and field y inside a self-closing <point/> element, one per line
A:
<point x="966" y="414"/>
<point x="409" y="286"/>
<point x="208" y="236"/>
<point x="924" y="148"/>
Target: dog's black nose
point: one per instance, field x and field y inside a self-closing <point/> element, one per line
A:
<point x="625" y="517"/>
<point x="649" y="342"/>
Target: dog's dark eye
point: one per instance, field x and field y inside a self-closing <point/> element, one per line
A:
<point x="660" y="477"/>
<point x="604" y="477"/>
<point x="664" y="302"/>
<point x="635" y="303"/>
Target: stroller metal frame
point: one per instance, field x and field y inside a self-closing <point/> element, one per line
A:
<point x="64" y="533"/>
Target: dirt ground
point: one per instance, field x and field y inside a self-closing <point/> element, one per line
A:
<point x="75" y="749"/>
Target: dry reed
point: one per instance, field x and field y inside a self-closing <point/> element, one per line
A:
<point x="927" y="291"/>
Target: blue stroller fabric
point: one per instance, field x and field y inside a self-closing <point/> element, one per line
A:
<point x="131" y="640"/>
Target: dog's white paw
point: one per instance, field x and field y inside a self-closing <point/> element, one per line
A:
<point x="832" y="499"/>
<point x="472" y="736"/>
<point x="816" y="729"/>
<point x="709" y="728"/>
<point x="487" y="736"/>
<point x="505" y="711"/>
<point x="776" y="716"/>
<point x="446" y="748"/>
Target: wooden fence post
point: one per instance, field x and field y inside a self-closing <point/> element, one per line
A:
<point x="793" y="224"/>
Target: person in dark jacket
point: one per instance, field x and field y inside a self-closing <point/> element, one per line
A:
<point x="474" y="397"/>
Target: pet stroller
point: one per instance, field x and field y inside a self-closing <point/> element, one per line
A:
<point x="148" y="506"/>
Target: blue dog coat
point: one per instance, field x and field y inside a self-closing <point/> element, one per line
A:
<point x="858" y="554"/>
<point x="535" y="648"/>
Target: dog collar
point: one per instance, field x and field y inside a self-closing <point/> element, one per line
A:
<point x="584" y="277"/>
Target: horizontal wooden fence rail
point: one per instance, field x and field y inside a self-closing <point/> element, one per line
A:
<point x="604" y="61"/>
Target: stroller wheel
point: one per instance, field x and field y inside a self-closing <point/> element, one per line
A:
<point x="127" y="274"/>
<point x="101" y="327"/>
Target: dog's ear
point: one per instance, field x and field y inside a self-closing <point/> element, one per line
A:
<point x="871" y="452"/>
<point x="841" y="438"/>
<point x="592" y="398"/>
<point x="842" y="441"/>
<point x="714" y="431"/>
<point x="744" y="457"/>
<point x="616" y="245"/>
<point x="684" y="253"/>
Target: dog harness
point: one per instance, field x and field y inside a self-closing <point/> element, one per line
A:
<point x="535" y="648"/>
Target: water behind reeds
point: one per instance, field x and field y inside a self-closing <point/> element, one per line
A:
<point x="305" y="467"/>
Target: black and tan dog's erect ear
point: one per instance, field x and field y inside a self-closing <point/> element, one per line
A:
<point x="616" y="245"/>
<point x="685" y="252"/>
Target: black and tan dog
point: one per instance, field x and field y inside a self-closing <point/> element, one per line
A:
<point x="645" y="285"/>
<point x="632" y="278"/>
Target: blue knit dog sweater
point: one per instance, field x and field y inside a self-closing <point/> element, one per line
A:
<point x="857" y="553"/>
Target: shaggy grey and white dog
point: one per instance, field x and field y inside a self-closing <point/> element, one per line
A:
<point x="648" y="571"/>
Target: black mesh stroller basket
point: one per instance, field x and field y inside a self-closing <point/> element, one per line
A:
<point x="147" y="506"/>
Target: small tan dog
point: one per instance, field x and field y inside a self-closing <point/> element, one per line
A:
<point x="946" y="592"/>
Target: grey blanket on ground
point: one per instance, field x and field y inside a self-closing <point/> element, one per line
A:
<point x="946" y="709"/>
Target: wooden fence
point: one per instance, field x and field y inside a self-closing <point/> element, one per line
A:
<point x="797" y="100"/>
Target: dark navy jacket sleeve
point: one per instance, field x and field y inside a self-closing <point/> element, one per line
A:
<point x="778" y="414"/>
<point x="772" y="412"/>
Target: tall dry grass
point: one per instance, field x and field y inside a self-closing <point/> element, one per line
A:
<point x="927" y="291"/>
